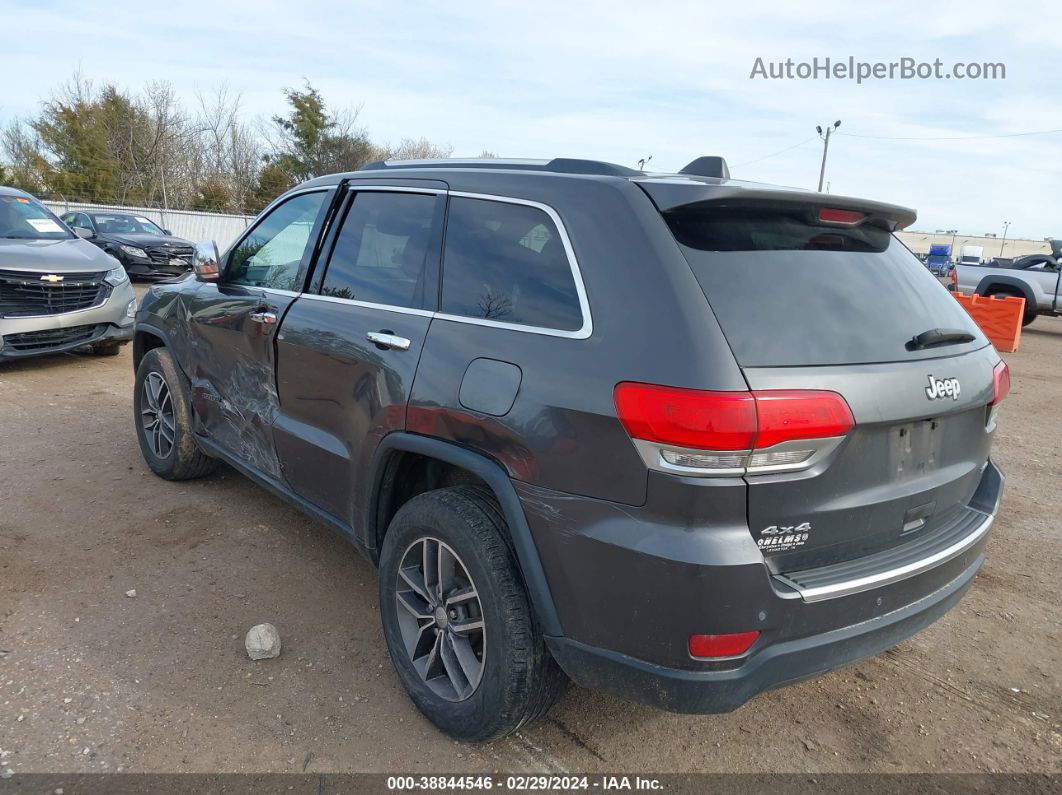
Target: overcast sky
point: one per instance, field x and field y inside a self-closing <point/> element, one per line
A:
<point x="616" y="82"/>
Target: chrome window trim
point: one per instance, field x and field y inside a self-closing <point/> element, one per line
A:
<point x="587" y="327"/>
<point x="403" y="310"/>
<point x="272" y="290"/>
<point x="582" y="332"/>
<point x="889" y="576"/>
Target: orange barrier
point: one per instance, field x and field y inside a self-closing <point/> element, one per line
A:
<point x="999" y="317"/>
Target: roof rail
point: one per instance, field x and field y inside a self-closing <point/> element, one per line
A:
<point x="559" y="165"/>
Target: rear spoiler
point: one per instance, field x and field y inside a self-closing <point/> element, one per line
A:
<point x="670" y="194"/>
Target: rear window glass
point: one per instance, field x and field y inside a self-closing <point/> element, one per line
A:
<point x="506" y="262"/>
<point x="789" y="291"/>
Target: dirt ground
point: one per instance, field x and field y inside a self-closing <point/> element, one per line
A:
<point x="94" y="680"/>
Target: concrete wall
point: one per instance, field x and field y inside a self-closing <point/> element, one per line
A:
<point x="919" y="243"/>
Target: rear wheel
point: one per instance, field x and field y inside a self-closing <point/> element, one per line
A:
<point x="457" y="619"/>
<point x="1030" y="313"/>
<point x="164" y="419"/>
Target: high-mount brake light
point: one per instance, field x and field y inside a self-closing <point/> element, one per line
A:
<point x="834" y="215"/>
<point x="690" y="431"/>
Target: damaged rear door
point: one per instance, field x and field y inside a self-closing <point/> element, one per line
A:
<point x="233" y="325"/>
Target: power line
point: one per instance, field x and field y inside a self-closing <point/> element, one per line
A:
<point x="773" y="154"/>
<point x="949" y="137"/>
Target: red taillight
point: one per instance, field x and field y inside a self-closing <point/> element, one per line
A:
<point x="728" y="421"/>
<point x="784" y="416"/>
<point x="722" y="645"/>
<point x="687" y="417"/>
<point x="833" y="215"/>
<point x="1000" y="382"/>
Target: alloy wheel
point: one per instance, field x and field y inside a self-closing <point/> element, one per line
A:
<point x="440" y="618"/>
<point x="156" y="415"/>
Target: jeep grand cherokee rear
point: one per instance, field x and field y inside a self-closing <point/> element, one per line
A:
<point x="837" y="504"/>
<point x="686" y="437"/>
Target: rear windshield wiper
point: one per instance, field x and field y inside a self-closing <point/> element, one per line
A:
<point x="939" y="336"/>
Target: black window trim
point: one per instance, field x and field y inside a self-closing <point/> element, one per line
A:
<point x="587" y="327"/>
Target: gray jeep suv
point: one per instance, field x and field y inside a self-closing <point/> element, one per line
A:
<point x="57" y="291"/>
<point x="676" y="437"/>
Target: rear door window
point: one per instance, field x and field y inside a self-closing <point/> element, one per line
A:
<point x="789" y="290"/>
<point x="506" y="263"/>
<point x="382" y="250"/>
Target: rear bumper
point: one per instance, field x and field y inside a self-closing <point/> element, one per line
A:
<point x="776" y="665"/>
<point x="631" y="587"/>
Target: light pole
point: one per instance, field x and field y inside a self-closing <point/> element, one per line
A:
<point x="1006" y="226"/>
<point x="643" y="161"/>
<point x="825" y="148"/>
<point x="952" y="232"/>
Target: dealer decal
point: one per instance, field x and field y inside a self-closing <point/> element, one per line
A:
<point x="781" y="538"/>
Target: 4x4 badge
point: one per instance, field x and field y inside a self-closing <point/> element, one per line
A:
<point x="940" y="388"/>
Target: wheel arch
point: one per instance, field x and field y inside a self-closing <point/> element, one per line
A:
<point x="386" y="462"/>
<point x="988" y="283"/>
<point x="145" y="338"/>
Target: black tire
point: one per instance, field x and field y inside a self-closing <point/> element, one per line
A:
<point x="181" y="459"/>
<point x="107" y="348"/>
<point x="1029" y="315"/>
<point x="519" y="679"/>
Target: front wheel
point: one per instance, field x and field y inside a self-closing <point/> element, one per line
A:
<point x="457" y="619"/>
<point x="164" y="420"/>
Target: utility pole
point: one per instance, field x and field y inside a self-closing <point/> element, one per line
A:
<point x="953" y="233"/>
<point x="1006" y="226"/>
<point x="825" y="148"/>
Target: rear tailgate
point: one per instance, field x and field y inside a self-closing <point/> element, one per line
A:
<point x="824" y="297"/>
<point x="909" y="467"/>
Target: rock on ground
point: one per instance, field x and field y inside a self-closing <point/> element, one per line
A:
<point x="263" y="642"/>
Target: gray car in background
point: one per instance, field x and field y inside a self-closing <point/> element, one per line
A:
<point x="57" y="291"/>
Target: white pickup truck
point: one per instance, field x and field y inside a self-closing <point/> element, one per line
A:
<point x="1036" y="278"/>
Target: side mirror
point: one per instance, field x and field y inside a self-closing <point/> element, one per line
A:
<point x="205" y="261"/>
<point x="83" y="233"/>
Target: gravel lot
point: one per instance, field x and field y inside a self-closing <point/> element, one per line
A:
<point x="94" y="680"/>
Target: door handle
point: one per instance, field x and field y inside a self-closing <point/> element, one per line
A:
<point x="388" y="341"/>
<point x="264" y="317"/>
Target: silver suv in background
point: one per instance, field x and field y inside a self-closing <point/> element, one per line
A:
<point x="57" y="291"/>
